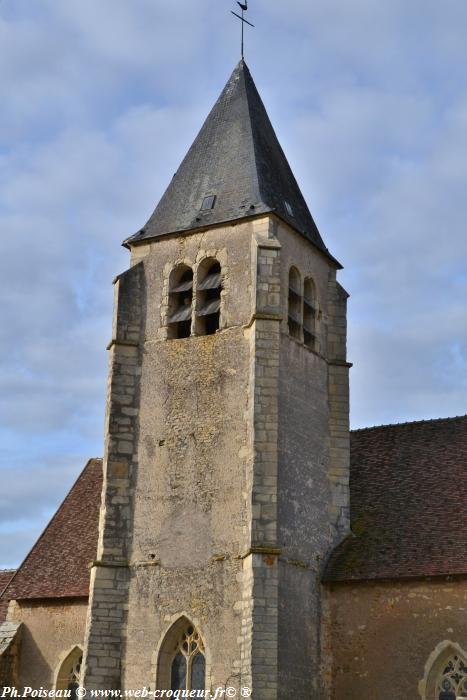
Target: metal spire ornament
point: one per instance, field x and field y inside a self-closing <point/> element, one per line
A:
<point x="244" y="8"/>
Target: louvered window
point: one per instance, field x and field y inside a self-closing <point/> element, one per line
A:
<point x="208" y="297"/>
<point x="180" y="302"/>
<point x="310" y="315"/>
<point x="295" y="304"/>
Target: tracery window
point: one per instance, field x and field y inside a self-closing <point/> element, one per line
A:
<point x="68" y="677"/>
<point x="295" y="304"/>
<point x="188" y="665"/>
<point x="209" y="290"/>
<point x="182" y="662"/>
<point x="453" y="677"/>
<point x="180" y="302"/>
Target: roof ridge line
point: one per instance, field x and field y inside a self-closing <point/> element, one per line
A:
<point x="414" y="422"/>
<point x="243" y="73"/>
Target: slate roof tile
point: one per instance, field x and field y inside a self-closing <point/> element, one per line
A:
<point x="236" y="157"/>
<point x="408" y="491"/>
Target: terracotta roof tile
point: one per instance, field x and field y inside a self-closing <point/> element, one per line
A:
<point x="57" y="565"/>
<point x="408" y="491"/>
<point x="5" y="577"/>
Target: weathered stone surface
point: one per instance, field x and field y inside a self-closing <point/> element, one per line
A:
<point x="49" y="630"/>
<point x="10" y="641"/>
<point x="223" y="503"/>
<point x="381" y="635"/>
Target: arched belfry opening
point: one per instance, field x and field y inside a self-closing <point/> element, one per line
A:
<point x="295" y="304"/>
<point x="180" y="302"/>
<point x="181" y="663"/>
<point x="68" y="675"/>
<point x="208" y="306"/>
<point x="310" y="315"/>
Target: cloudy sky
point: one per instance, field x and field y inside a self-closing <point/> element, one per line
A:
<point x="100" y="100"/>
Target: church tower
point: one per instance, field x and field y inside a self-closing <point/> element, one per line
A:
<point x="227" y="442"/>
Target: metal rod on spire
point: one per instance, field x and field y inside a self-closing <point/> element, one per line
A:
<point x="244" y="8"/>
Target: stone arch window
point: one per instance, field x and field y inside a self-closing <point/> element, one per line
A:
<point x="180" y="302"/>
<point x="294" y="312"/>
<point x="310" y="315"/>
<point x="182" y="661"/>
<point x="445" y="673"/>
<point x="208" y="301"/>
<point x="68" y="677"/>
<point x="453" y="676"/>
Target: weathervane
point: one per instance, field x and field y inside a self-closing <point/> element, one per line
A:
<point x="244" y="8"/>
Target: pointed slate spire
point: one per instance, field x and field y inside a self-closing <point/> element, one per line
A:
<point x="237" y="158"/>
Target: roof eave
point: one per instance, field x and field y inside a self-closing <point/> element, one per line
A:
<point x="135" y="241"/>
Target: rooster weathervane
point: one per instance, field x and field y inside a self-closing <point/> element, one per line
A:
<point x="244" y="8"/>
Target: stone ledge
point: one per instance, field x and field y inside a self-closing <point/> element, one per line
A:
<point x="263" y="317"/>
<point x="272" y="551"/>
<point x="108" y="564"/>
<point x="126" y="343"/>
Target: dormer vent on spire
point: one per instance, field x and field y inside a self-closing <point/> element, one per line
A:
<point x="208" y="202"/>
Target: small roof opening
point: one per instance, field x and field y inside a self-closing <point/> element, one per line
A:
<point x="208" y="202"/>
<point x="289" y="208"/>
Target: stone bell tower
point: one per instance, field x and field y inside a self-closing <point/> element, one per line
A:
<point x="226" y="447"/>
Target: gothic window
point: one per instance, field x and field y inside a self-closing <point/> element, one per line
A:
<point x="178" y="675"/>
<point x="182" y="663"/>
<point x="295" y="304"/>
<point x="68" y="677"/>
<point x="180" y="302"/>
<point x="453" y="677"/>
<point x="209" y="290"/>
<point x="445" y="673"/>
<point x="310" y="315"/>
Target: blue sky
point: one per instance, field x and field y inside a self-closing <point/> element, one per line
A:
<point x="100" y="101"/>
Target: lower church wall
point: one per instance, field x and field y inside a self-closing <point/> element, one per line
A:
<point x="384" y="638"/>
<point x="210" y="600"/>
<point x="50" y="630"/>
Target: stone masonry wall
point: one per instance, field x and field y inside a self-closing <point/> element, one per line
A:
<point x="311" y="459"/>
<point x="10" y="649"/>
<point x="110" y="572"/>
<point x="190" y="500"/>
<point x="218" y="487"/>
<point x="49" y="631"/>
<point x="382" y="635"/>
<point x="260" y="634"/>
<point x="339" y="400"/>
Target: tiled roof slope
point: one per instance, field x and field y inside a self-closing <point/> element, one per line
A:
<point x="236" y="157"/>
<point x="57" y="565"/>
<point x="408" y="491"/>
<point x="5" y="576"/>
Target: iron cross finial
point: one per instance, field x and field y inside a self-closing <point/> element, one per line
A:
<point x="244" y="8"/>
